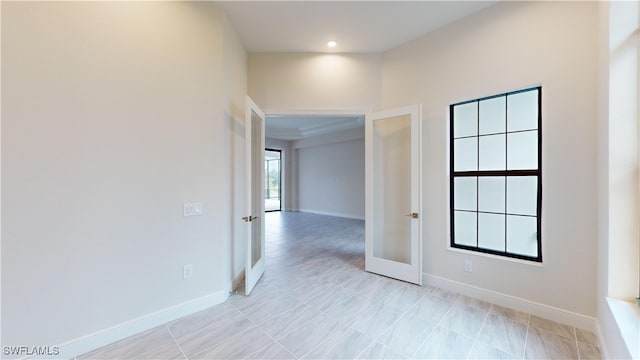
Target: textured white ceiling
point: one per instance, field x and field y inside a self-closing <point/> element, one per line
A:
<point x="300" y="127"/>
<point x="357" y="26"/>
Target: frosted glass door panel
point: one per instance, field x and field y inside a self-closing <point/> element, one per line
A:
<point x="254" y="219"/>
<point x="392" y="180"/>
<point x="257" y="193"/>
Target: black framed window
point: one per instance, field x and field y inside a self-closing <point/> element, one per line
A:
<point x="273" y="180"/>
<point x="496" y="174"/>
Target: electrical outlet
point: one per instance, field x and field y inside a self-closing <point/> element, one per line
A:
<point x="187" y="271"/>
<point x="468" y="266"/>
<point x="192" y="209"/>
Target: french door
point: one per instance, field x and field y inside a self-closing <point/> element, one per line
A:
<point x="393" y="194"/>
<point x="254" y="160"/>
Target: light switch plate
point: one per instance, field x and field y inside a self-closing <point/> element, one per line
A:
<point x="187" y="271"/>
<point x="192" y="209"/>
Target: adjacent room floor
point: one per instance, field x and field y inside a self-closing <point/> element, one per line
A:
<point x="315" y="301"/>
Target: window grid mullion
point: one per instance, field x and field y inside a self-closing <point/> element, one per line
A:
<point x="505" y="174"/>
<point x="477" y="178"/>
<point x="506" y="165"/>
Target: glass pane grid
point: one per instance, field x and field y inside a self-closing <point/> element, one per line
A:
<point x="500" y="215"/>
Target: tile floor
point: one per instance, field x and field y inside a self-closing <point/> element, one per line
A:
<point x="315" y="301"/>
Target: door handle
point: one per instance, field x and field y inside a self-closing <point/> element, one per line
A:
<point x="249" y="218"/>
<point x="412" y="215"/>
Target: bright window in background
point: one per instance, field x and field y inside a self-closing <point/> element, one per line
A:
<point x="273" y="180"/>
<point x="496" y="182"/>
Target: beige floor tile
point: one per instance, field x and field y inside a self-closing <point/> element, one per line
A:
<point x="588" y="351"/>
<point x="481" y="351"/>
<point x="510" y="314"/>
<point x="286" y="322"/>
<point x="430" y="308"/>
<point x="542" y="344"/>
<point x="315" y="300"/>
<point x="504" y="334"/>
<point x="345" y="343"/>
<point x="377" y="351"/>
<point x="406" y="335"/>
<point x="240" y="346"/>
<point x="308" y="336"/>
<point x="553" y="327"/>
<point x="135" y="346"/>
<point x="273" y="351"/>
<point x="444" y="344"/>
<point x="375" y="320"/>
<point x="464" y="320"/>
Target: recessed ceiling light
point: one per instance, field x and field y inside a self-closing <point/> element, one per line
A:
<point x="332" y="44"/>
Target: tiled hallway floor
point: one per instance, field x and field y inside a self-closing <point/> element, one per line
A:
<point x="315" y="301"/>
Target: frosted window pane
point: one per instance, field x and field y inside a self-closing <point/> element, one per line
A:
<point x="522" y="111"/>
<point x="492" y="152"/>
<point x="465" y="228"/>
<point x="491" y="194"/>
<point x="522" y="195"/>
<point x="492" y="116"/>
<point x="522" y="148"/>
<point x="522" y="235"/>
<point x="465" y="154"/>
<point x="465" y="120"/>
<point x="491" y="231"/>
<point x="465" y="193"/>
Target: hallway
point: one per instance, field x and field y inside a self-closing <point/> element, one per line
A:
<point x="315" y="301"/>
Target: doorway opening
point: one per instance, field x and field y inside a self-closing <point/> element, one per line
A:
<point x="273" y="180"/>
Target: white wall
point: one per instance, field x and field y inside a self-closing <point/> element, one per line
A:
<point x="507" y="47"/>
<point x="331" y="175"/>
<point x="112" y="118"/>
<point x="235" y="79"/>
<point x="314" y="81"/>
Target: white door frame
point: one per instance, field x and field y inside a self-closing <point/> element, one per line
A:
<point x="253" y="273"/>
<point x="407" y="272"/>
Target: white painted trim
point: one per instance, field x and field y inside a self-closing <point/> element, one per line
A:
<point x="626" y="315"/>
<point x="98" y="339"/>
<point x="316" y="112"/>
<point x="602" y="344"/>
<point x="331" y="213"/>
<point x="545" y="311"/>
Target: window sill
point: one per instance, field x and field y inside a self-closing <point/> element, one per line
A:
<point x="627" y="317"/>
<point x="496" y="257"/>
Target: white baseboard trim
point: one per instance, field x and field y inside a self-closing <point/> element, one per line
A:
<point x="87" y="343"/>
<point x="524" y="305"/>
<point x="602" y="344"/>
<point x="330" y="213"/>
